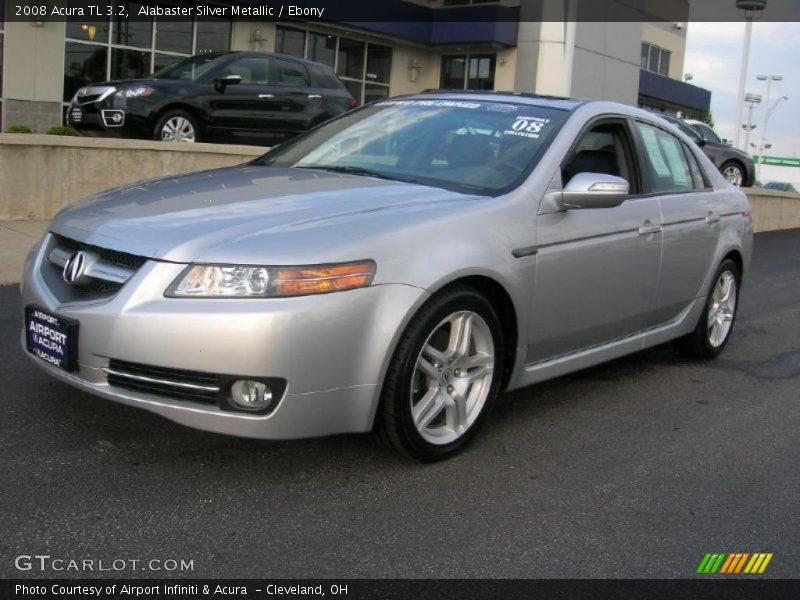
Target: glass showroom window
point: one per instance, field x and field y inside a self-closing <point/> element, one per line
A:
<point x="123" y="49"/>
<point x="467" y="2"/>
<point x="365" y="68"/>
<point x="469" y="72"/>
<point x="2" y="46"/>
<point x="655" y="59"/>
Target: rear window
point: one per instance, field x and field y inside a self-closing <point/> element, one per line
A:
<point x="289" y="73"/>
<point x="324" y="78"/>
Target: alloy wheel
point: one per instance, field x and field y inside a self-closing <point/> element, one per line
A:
<point x="178" y="129"/>
<point x="733" y="175"/>
<point x="722" y="309"/>
<point x="452" y="378"/>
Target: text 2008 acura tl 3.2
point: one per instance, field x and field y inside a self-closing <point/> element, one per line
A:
<point x="393" y="269"/>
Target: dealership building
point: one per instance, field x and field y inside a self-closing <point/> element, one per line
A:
<point x="464" y="44"/>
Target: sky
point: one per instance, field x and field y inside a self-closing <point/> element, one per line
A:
<point x="713" y="56"/>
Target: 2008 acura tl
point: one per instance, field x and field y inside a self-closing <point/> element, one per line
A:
<point x="393" y="269"/>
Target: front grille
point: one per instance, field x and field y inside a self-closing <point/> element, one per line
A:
<point x="93" y="93"/>
<point x="175" y="383"/>
<point x="114" y="257"/>
<point x="114" y="268"/>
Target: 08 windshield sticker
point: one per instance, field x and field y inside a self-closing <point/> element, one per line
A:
<point x="436" y="103"/>
<point x="530" y="127"/>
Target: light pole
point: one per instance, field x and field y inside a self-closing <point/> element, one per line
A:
<point x="752" y="9"/>
<point x="767" y="112"/>
<point x="752" y="100"/>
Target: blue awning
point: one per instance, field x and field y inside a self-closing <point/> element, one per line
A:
<point x="673" y="92"/>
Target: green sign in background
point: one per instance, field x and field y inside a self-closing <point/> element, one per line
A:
<point x="780" y="161"/>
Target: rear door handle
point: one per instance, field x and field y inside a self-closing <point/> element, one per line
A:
<point x="266" y="96"/>
<point x="647" y="229"/>
<point x="314" y="96"/>
<point x="712" y="218"/>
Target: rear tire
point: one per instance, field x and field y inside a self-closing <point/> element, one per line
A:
<point x="715" y="326"/>
<point x="444" y="376"/>
<point x="177" y="126"/>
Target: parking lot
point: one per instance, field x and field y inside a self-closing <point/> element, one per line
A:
<point x="636" y="468"/>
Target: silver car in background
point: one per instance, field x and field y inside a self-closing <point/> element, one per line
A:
<point x="393" y="269"/>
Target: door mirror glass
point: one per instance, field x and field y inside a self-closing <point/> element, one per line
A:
<point x="594" y="190"/>
<point x="227" y="80"/>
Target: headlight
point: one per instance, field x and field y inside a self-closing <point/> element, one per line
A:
<point x="223" y="281"/>
<point x="136" y="92"/>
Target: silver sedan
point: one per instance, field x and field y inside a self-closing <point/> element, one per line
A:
<point x="394" y="269"/>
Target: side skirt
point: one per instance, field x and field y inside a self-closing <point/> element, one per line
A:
<point x="683" y="324"/>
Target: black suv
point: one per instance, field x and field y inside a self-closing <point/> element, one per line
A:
<point x="736" y="166"/>
<point x="235" y="97"/>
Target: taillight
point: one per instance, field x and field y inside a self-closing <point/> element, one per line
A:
<point x="353" y="103"/>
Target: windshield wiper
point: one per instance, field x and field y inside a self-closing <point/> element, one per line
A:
<point x="349" y="170"/>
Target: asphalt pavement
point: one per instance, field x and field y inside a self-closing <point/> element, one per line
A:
<point x="636" y="468"/>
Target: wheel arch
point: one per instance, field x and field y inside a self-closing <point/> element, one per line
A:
<point x="737" y="258"/>
<point x="501" y="300"/>
<point x="739" y="163"/>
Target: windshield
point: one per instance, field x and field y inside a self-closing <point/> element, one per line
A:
<point x="190" y="68"/>
<point x="474" y="147"/>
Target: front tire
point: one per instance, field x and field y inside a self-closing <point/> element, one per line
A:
<point x="177" y="126"/>
<point x="733" y="173"/>
<point x="714" y="329"/>
<point x="444" y="376"/>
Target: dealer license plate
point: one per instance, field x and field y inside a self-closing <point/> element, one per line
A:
<point x="52" y="338"/>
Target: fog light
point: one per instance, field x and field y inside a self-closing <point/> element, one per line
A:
<point x="251" y="395"/>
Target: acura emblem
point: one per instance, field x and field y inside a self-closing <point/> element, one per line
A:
<point x="74" y="268"/>
<point x="82" y="92"/>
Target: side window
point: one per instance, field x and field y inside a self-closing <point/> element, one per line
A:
<point x="602" y="149"/>
<point x="252" y="70"/>
<point x="287" y="72"/>
<point x="669" y="169"/>
<point x="698" y="178"/>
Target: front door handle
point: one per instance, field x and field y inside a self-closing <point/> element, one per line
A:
<point x="266" y="96"/>
<point x="648" y="229"/>
<point x="314" y="96"/>
<point x="712" y="218"/>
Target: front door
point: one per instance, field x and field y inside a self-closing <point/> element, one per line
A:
<point x="596" y="269"/>
<point x="247" y="112"/>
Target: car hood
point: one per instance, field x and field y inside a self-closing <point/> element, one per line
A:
<point x="200" y="215"/>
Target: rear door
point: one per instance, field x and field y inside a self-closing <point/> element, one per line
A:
<point x="690" y="216"/>
<point x="300" y="104"/>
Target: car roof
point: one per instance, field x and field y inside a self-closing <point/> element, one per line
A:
<point x="557" y="102"/>
<point x="278" y="54"/>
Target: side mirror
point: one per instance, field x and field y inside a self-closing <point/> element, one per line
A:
<point x="702" y="141"/>
<point x="223" y="82"/>
<point x="593" y="190"/>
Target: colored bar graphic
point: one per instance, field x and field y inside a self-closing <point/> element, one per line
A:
<point x="734" y="562"/>
<point x="728" y="564"/>
<point x="740" y="564"/>
<point x="764" y="564"/>
<point x="703" y="563"/>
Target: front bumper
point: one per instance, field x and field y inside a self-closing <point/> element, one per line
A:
<point x="110" y="117"/>
<point x="331" y="349"/>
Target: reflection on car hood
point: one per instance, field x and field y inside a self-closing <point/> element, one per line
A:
<point x="182" y="218"/>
